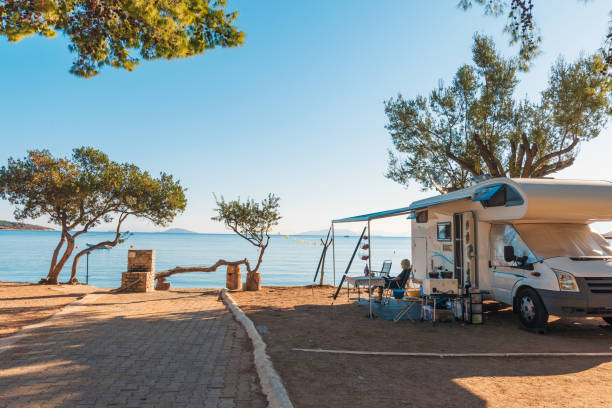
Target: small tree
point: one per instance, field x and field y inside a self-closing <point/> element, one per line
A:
<point x="474" y="126"/>
<point x="76" y="194"/>
<point x="107" y="32"/>
<point x="252" y="221"/>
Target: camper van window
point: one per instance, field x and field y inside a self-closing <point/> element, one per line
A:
<point x="444" y="231"/>
<point x="506" y="196"/>
<point x="421" y="217"/>
<point x="505" y="235"/>
<point x="572" y="240"/>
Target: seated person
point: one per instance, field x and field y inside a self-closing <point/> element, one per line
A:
<point x="396" y="283"/>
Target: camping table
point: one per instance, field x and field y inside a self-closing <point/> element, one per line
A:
<point x="362" y="280"/>
<point x="411" y="302"/>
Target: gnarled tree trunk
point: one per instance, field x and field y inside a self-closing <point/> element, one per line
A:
<point x="75" y="263"/>
<point x="161" y="276"/>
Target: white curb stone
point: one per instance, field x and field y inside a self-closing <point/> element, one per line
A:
<point x="271" y="383"/>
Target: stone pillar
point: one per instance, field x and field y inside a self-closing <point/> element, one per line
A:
<point x="140" y="275"/>
<point x="233" y="280"/>
<point x="253" y="281"/>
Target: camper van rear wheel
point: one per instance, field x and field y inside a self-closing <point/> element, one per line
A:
<point x="608" y="319"/>
<point x="531" y="311"/>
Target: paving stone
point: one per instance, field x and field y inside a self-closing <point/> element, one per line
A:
<point x="166" y="349"/>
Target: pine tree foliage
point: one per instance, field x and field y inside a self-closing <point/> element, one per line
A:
<point x="110" y="32"/>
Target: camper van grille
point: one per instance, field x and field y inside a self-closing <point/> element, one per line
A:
<point x="599" y="285"/>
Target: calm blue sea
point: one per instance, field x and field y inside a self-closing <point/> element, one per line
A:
<point x="25" y="257"/>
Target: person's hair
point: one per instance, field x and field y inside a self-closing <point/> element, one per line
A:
<point x="405" y="264"/>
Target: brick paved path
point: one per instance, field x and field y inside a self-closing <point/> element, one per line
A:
<point x="166" y="349"/>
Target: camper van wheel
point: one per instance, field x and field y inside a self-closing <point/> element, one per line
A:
<point x="531" y="311"/>
<point x="608" y="320"/>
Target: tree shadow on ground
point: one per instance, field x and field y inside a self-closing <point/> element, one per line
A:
<point x="335" y="380"/>
<point x="141" y="354"/>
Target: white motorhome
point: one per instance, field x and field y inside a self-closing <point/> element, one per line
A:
<point x="527" y="242"/>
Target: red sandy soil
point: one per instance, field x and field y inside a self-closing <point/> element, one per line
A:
<point x="22" y="304"/>
<point x="301" y="317"/>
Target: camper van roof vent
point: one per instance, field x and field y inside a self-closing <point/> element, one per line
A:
<point x="481" y="178"/>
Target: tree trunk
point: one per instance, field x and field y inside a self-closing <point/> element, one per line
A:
<point x="323" y="263"/>
<point x="179" y="269"/>
<point x="233" y="279"/>
<point x="56" y="253"/>
<point x="53" y="275"/>
<point x="75" y="263"/>
<point x="253" y="281"/>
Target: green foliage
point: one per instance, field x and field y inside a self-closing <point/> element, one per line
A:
<point x="84" y="191"/>
<point x="474" y="126"/>
<point x="521" y="27"/>
<point x="87" y="189"/>
<point x="249" y="219"/>
<point x="108" y="32"/>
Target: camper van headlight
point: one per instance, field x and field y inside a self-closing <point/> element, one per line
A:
<point x="567" y="282"/>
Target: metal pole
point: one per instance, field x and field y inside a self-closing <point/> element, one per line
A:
<point x="348" y="268"/>
<point x="87" y="275"/>
<point x="370" y="266"/>
<point x="334" y="252"/>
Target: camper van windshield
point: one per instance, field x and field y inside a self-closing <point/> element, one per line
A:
<point x="574" y="240"/>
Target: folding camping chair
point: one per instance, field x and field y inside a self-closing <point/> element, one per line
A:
<point x="388" y="292"/>
<point x="384" y="271"/>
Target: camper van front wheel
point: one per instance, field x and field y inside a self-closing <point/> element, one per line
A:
<point x="532" y="312"/>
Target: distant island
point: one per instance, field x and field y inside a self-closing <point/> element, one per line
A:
<point x="20" y="226"/>
<point x="179" y="231"/>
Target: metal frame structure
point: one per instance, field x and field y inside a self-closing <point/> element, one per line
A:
<point x="365" y="218"/>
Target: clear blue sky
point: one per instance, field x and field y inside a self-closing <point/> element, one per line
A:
<point x="298" y="110"/>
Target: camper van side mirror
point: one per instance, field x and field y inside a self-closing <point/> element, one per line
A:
<point x="509" y="253"/>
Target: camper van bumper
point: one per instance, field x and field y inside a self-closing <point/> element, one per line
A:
<point x="583" y="303"/>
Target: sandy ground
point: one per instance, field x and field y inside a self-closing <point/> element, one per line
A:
<point x="290" y="317"/>
<point x="22" y="304"/>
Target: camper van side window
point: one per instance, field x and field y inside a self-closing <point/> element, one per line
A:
<point x="444" y="231"/>
<point x="421" y="217"/>
<point x="506" y="196"/>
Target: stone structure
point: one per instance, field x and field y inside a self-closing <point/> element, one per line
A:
<point x="233" y="280"/>
<point x="140" y="275"/>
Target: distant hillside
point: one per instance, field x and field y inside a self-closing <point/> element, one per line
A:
<point x="179" y="231"/>
<point x="20" y="226"/>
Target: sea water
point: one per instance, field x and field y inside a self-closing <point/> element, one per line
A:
<point x="288" y="261"/>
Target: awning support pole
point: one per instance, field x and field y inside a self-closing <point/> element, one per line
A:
<point x="350" y="263"/>
<point x="370" y="269"/>
<point x="334" y="251"/>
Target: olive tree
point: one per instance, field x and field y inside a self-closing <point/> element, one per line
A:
<point x="475" y="126"/>
<point x="523" y="30"/>
<point x="250" y="220"/>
